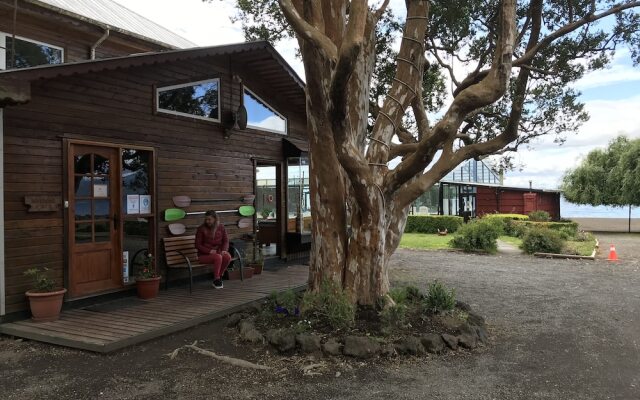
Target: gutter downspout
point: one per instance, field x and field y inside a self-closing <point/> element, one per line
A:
<point x="92" y="53"/>
<point x="2" y="254"/>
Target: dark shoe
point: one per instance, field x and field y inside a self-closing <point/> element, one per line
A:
<point x="217" y="283"/>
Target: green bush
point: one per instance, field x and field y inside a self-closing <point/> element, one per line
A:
<point x="394" y="316"/>
<point x="516" y="217"/>
<point x="520" y="228"/>
<point x="542" y="240"/>
<point x="329" y="305"/>
<point x="440" y="298"/>
<point x="405" y="295"/>
<point x="509" y="227"/>
<point x="539" y="216"/>
<point x="477" y="236"/>
<point x="583" y="236"/>
<point x="431" y="223"/>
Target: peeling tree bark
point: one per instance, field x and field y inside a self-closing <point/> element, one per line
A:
<point x="359" y="206"/>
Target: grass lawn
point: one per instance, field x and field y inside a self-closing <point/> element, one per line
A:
<point x="582" y="248"/>
<point x="425" y="241"/>
<point x="511" y="240"/>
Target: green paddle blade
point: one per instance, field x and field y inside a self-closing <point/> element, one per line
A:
<point x="246" y="211"/>
<point x="173" y="214"/>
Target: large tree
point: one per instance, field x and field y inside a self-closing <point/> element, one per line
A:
<point x="609" y="177"/>
<point x="519" y="59"/>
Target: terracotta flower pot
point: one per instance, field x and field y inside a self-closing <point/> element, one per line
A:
<point x="257" y="268"/>
<point x="234" y="274"/>
<point x="148" y="287"/>
<point x="45" y="306"/>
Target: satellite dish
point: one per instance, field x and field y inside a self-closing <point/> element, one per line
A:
<point x="241" y="118"/>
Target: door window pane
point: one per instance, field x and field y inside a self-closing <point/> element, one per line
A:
<point x="136" y="166"/>
<point x="101" y="209"/>
<point x="100" y="165"/>
<point x="103" y="231"/>
<point x="83" y="233"/>
<point x="82" y="164"/>
<point x="101" y="186"/>
<point x="83" y="210"/>
<point x="136" y="242"/>
<point x="82" y="186"/>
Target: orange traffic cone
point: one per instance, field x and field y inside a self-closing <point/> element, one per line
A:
<point x="613" y="256"/>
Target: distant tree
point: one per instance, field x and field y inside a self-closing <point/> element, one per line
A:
<point x="518" y="60"/>
<point x="609" y="177"/>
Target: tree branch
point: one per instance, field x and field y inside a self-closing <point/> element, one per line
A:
<point x="308" y="32"/>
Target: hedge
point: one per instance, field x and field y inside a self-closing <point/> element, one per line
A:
<point x="570" y="227"/>
<point x="431" y="223"/>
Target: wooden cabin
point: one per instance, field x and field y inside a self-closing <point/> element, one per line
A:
<point x="94" y="150"/>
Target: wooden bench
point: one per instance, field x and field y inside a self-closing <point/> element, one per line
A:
<point x="181" y="252"/>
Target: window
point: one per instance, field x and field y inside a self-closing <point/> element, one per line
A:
<point x="298" y="197"/>
<point x="28" y="53"/>
<point x="261" y="116"/>
<point x="195" y="99"/>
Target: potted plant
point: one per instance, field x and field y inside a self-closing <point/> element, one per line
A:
<point x="257" y="262"/>
<point x="45" y="300"/>
<point x="147" y="279"/>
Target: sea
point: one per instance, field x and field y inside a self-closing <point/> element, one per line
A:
<point x="570" y="210"/>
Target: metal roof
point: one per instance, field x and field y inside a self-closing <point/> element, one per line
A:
<point x="108" y="12"/>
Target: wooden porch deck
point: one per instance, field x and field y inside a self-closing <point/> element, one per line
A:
<point x="105" y="330"/>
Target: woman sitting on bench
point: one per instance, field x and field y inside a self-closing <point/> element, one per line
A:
<point x="213" y="246"/>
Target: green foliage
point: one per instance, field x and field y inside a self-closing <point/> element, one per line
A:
<point x="479" y="235"/>
<point x="517" y="217"/>
<point x="431" y="223"/>
<point x="583" y="236"/>
<point x="265" y="212"/>
<point x="393" y="317"/>
<point x="405" y="295"/>
<point x="539" y="216"/>
<point x="439" y="298"/>
<point x="542" y="240"/>
<point x="287" y="299"/>
<point x="424" y="241"/>
<point x="147" y="270"/>
<point x="329" y="305"/>
<point x="607" y="177"/>
<point x="520" y="228"/>
<point x="41" y="282"/>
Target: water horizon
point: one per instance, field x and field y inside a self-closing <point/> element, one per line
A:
<point x="571" y="210"/>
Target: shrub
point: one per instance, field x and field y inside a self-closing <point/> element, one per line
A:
<point x="539" y="216"/>
<point x="477" y="236"/>
<point x="330" y="305"/>
<point x="583" y="236"/>
<point x="41" y="282"/>
<point x="566" y="232"/>
<point x="440" y="298"/>
<point x="509" y="226"/>
<point x="431" y="223"/>
<point x="394" y="316"/>
<point x="513" y="217"/>
<point x="283" y="303"/>
<point x="542" y="240"/>
<point x="521" y="227"/>
<point x="405" y="295"/>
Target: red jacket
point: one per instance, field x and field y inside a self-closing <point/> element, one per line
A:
<point x="207" y="240"/>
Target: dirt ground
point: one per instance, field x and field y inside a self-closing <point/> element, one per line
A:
<point x="559" y="330"/>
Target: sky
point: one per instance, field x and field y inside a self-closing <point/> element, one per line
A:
<point x="611" y="96"/>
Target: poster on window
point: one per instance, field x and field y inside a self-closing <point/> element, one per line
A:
<point x="125" y="266"/>
<point x="133" y="204"/>
<point x="145" y="204"/>
<point x="100" y="190"/>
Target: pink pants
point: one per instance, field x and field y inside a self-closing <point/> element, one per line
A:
<point x="220" y="262"/>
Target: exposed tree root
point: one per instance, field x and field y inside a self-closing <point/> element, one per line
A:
<point x="229" y="360"/>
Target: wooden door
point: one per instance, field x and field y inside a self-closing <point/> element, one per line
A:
<point x="95" y="260"/>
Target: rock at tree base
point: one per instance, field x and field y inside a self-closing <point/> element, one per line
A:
<point x="450" y="340"/>
<point x="432" y="343"/>
<point x="482" y="334"/>
<point x="475" y="319"/>
<point x="410" y="345"/>
<point x="360" y="347"/>
<point x="468" y="341"/>
<point x="234" y="319"/>
<point x="332" y="347"/>
<point x="308" y="343"/>
<point x="463" y="306"/>
<point x="283" y="340"/>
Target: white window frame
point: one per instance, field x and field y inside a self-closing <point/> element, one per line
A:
<point x="3" y="48"/>
<point x="182" y="114"/>
<point x="286" y="121"/>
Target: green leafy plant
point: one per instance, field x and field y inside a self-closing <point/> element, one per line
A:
<point x="432" y="223"/>
<point x="583" y="236"/>
<point x="477" y="236"/>
<point x="329" y="305"/>
<point x="439" y="298"/>
<point x="393" y="317"/>
<point x="542" y="240"/>
<point x="41" y="281"/>
<point x="266" y="212"/>
<point x="539" y="216"/>
<point x="147" y="269"/>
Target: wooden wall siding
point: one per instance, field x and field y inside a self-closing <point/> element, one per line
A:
<point x="75" y="37"/>
<point x="512" y="201"/>
<point x="116" y="107"/>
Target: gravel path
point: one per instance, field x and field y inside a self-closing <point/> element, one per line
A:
<point x="560" y="329"/>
